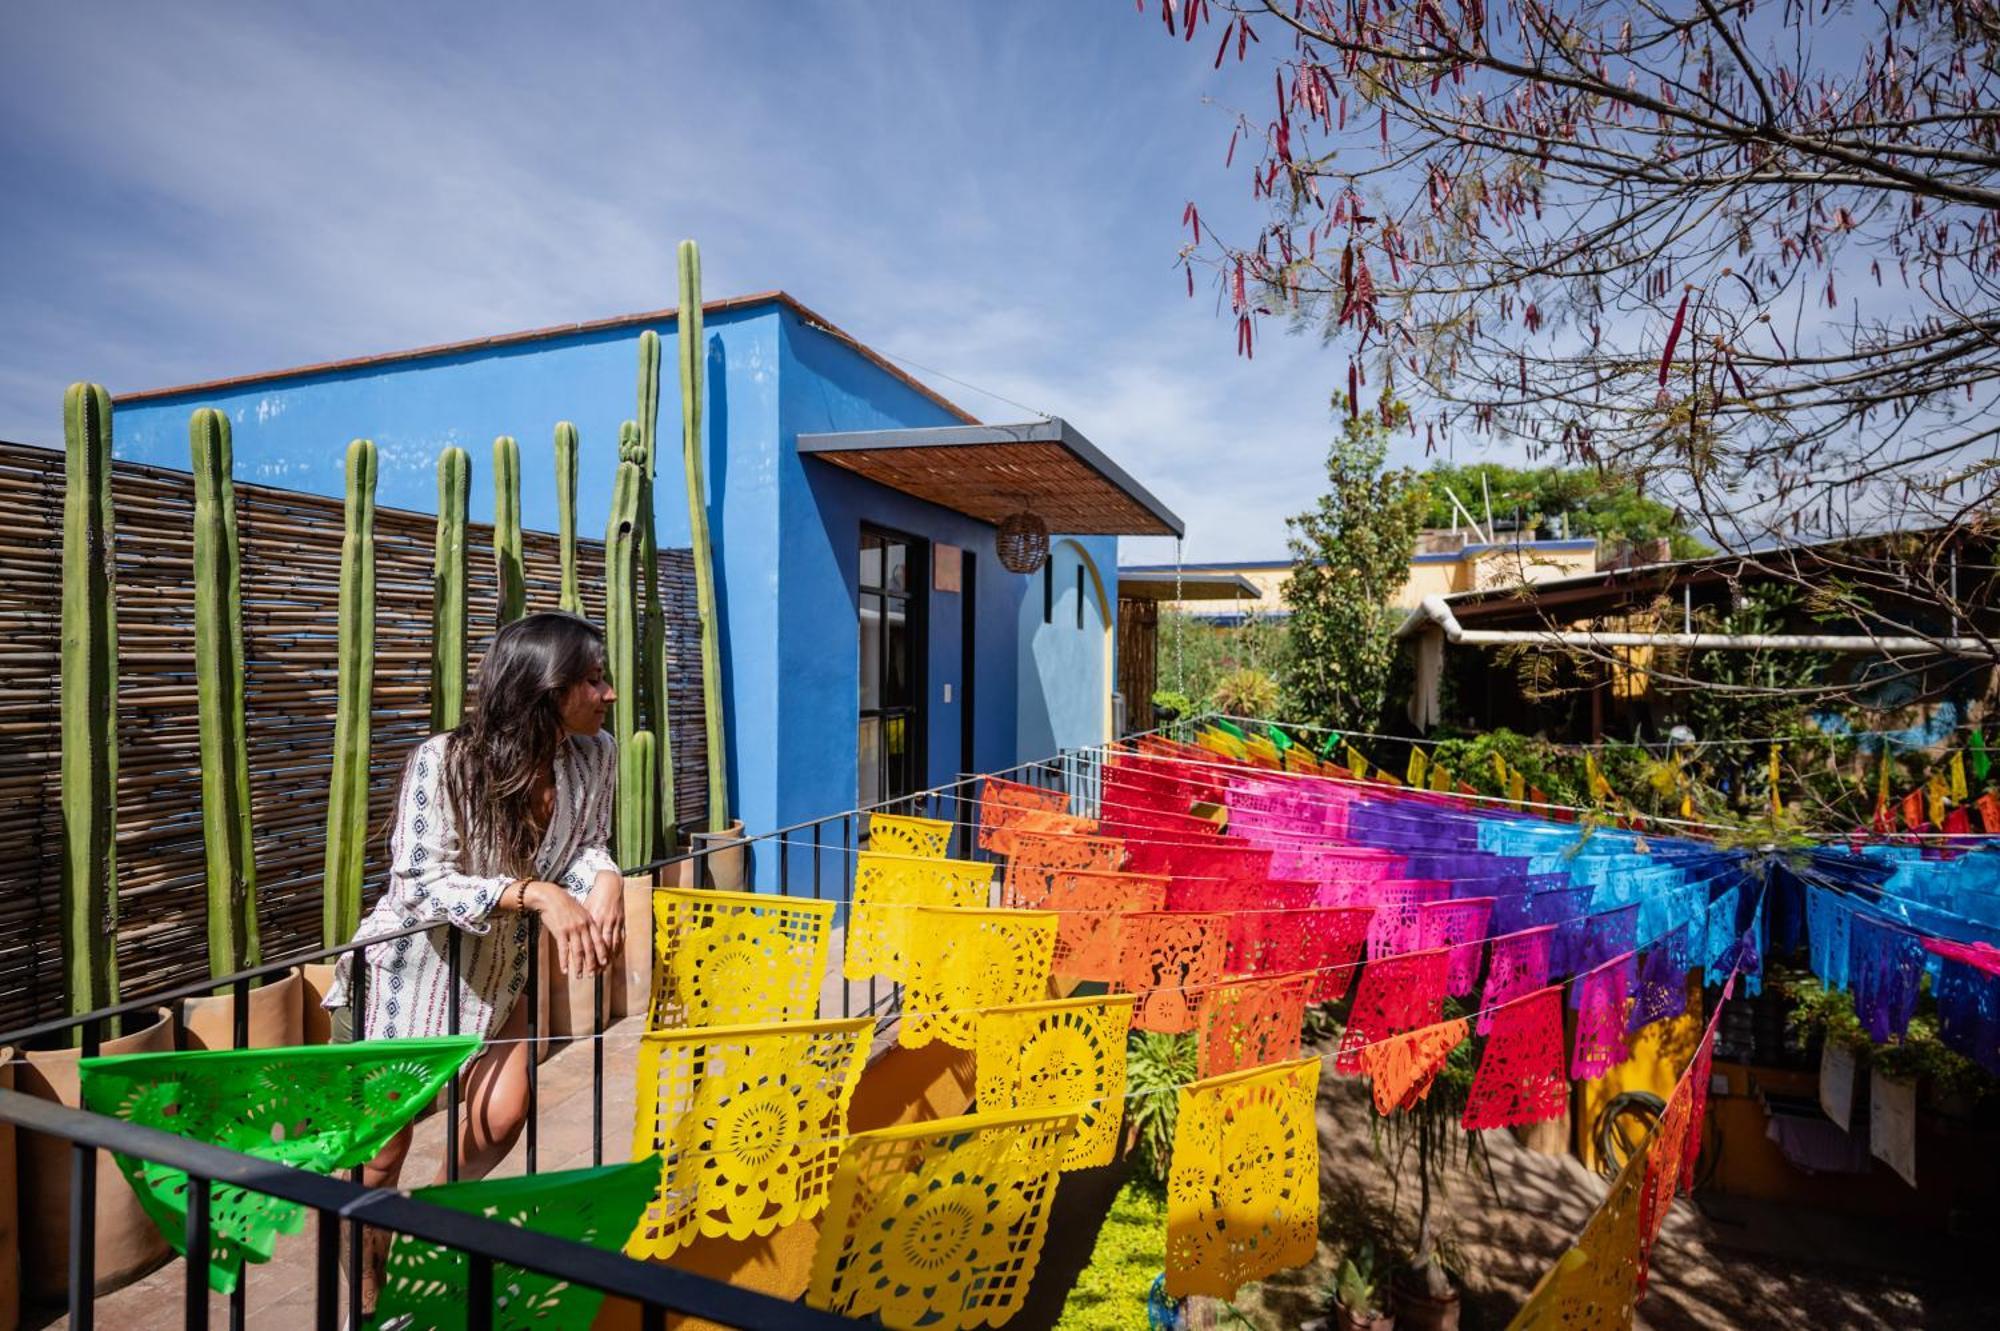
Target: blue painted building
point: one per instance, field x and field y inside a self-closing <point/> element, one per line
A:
<point x="873" y="643"/>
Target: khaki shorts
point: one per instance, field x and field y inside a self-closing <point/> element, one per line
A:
<point x="343" y="1024"/>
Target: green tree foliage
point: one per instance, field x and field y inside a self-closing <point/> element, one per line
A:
<point x="1350" y="557"/>
<point x="1193" y="655"/>
<point x="1601" y="504"/>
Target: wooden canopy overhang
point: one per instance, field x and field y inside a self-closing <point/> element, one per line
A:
<point x="988" y="472"/>
<point x="1151" y="586"/>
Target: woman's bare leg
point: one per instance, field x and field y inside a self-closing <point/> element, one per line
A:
<point x="496" y="1099"/>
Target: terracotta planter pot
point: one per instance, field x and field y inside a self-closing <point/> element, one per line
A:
<point x="277" y="1016"/>
<point x="680" y="873"/>
<point x="10" y="1214"/>
<point x="316" y="1023"/>
<point x="1549" y="1137"/>
<point x="128" y="1243"/>
<point x="572" y="1000"/>
<point x="632" y="988"/>
<point x="725" y="860"/>
<point x="1415" y="1310"/>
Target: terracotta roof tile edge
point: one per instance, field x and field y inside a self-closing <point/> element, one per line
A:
<point x="667" y="315"/>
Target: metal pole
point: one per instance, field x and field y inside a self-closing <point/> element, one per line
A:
<point x="451" y="1087"/>
<point x="534" y="1033"/>
<point x="198" y="1251"/>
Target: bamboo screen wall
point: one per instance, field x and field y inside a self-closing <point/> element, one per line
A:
<point x="290" y="569"/>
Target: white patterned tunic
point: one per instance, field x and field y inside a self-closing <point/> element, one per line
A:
<point x="434" y="878"/>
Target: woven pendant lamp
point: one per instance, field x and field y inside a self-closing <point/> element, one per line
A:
<point x="1023" y="542"/>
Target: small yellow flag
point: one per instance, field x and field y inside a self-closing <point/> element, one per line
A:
<point x="1500" y="770"/>
<point x="1600" y="789"/>
<point x="1935" y="790"/>
<point x="1418" y="767"/>
<point x="1517" y="789"/>
<point x="1882" y="783"/>
<point x="1958" y="789"/>
<point x="1777" y="805"/>
<point x="1441" y="780"/>
<point x="1356" y="763"/>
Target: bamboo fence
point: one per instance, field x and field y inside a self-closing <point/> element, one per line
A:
<point x="290" y="546"/>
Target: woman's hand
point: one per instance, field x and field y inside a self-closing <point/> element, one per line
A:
<point x="607" y="911"/>
<point x="579" y="949"/>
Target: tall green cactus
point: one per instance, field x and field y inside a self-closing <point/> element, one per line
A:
<point x="219" y="668"/>
<point x="688" y="334"/>
<point x="448" y="605"/>
<point x="571" y="596"/>
<point x="645" y="770"/>
<point x="347" y="795"/>
<point x="653" y="645"/>
<point x="89" y="708"/>
<point x="632" y="839"/>
<point x="507" y="529"/>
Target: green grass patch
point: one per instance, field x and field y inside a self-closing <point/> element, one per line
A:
<point x="1110" y="1294"/>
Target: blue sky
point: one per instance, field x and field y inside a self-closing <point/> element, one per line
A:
<point x="992" y="189"/>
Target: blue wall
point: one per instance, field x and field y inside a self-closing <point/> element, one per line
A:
<point x="1065" y="692"/>
<point x="786" y="530"/>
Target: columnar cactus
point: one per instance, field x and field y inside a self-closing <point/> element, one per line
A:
<point x="571" y="597"/>
<point x="632" y="818"/>
<point x="89" y="711"/>
<point x="219" y="669"/>
<point x="688" y="335"/>
<point x="507" y="529"/>
<point x="653" y="682"/>
<point x="448" y="605"/>
<point x="347" y="794"/>
<point x="645" y="770"/>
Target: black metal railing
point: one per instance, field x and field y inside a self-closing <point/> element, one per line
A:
<point x="658" y="1290"/>
<point x="819" y="843"/>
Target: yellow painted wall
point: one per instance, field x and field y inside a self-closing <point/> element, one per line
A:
<point x="1495" y="566"/>
<point x="1659" y="1052"/>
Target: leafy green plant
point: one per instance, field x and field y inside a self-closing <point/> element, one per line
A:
<point x="1157" y="1065"/>
<point x="1175" y="705"/>
<point x="1245" y="692"/>
<point x="1357" y="1285"/>
<point x="1919" y="1056"/>
<point x="1110" y="1293"/>
<point x="1192" y="653"/>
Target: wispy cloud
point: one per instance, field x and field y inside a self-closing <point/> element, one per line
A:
<point x="992" y="190"/>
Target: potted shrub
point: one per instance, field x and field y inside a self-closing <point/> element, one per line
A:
<point x="1422" y="1295"/>
<point x="1357" y="1294"/>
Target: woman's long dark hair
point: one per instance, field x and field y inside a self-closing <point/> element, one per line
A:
<point x="511" y="733"/>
